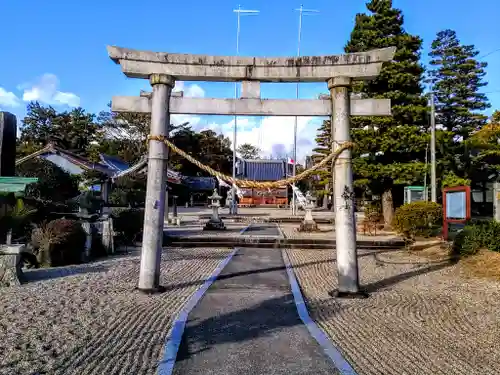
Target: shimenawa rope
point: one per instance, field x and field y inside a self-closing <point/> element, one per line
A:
<point x="254" y="184"/>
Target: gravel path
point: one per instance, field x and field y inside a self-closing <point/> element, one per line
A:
<point x="90" y="320"/>
<point x="247" y="323"/>
<point x="420" y="319"/>
<point x="196" y="231"/>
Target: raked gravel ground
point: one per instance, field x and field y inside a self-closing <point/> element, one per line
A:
<point x="90" y="320"/>
<point x="327" y="232"/>
<point x="419" y="319"/>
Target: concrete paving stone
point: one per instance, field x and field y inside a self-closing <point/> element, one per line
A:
<point x="247" y="323"/>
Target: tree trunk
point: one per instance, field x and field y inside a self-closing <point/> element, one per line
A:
<point x="387" y="207"/>
<point x="325" y="198"/>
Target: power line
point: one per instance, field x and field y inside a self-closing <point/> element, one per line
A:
<point x="488" y="54"/>
<point x="302" y="12"/>
<point x="239" y="12"/>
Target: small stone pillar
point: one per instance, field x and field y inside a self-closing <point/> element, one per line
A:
<point x="105" y="189"/>
<point x="229" y="203"/>
<point x="215" y="222"/>
<point x="8" y="136"/>
<point x="496" y="201"/>
<point x="174" y="203"/>
<point x="107" y="235"/>
<point x="87" y="227"/>
<point x="11" y="263"/>
<point x="309" y="225"/>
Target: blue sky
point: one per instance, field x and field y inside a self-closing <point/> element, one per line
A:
<point x="55" y="51"/>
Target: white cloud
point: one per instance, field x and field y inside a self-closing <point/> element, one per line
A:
<point x="45" y="90"/>
<point x="192" y="91"/>
<point x="8" y="99"/>
<point x="273" y="135"/>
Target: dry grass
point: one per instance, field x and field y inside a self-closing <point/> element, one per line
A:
<point x="485" y="264"/>
<point x="434" y="252"/>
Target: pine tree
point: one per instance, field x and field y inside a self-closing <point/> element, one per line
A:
<point x="495" y="118"/>
<point x="456" y="77"/>
<point x="323" y="184"/>
<point x="73" y="131"/>
<point x="390" y="151"/>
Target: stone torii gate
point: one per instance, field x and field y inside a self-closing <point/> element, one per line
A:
<point x="339" y="71"/>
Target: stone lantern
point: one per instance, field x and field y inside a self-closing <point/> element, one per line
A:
<point x="308" y="224"/>
<point x="215" y="222"/>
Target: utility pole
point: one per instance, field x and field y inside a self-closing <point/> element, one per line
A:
<point x="433" y="151"/>
<point x="302" y="12"/>
<point x="239" y="12"/>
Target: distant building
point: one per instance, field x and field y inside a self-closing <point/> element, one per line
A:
<point x="75" y="165"/>
<point x="263" y="170"/>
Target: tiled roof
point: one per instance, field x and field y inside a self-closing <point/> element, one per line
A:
<point x="262" y="170"/>
<point x="113" y="162"/>
<point x="141" y="167"/>
<point x="73" y="158"/>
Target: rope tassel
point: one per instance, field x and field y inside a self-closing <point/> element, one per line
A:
<point x="254" y="184"/>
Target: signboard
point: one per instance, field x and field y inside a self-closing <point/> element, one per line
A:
<point x="456" y="209"/>
<point x="415" y="194"/>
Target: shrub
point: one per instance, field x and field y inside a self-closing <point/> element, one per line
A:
<point x="373" y="212"/>
<point x="417" y="219"/>
<point x="59" y="242"/>
<point x="54" y="184"/>
<point x="476" y="236"/>
<point x="128" y="222"/>
<point x="17" y="217"/>
<point x="47" y="210"/>
<point x="452" y="180"/>
<point x="129" y="191"/>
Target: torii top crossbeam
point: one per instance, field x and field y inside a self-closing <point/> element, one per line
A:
<point x="188" y="67"/>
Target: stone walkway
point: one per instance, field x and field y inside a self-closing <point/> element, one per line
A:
<point x="247" y="323"/>
<point x="421" y="319"/>
<point x="88" y="319"/>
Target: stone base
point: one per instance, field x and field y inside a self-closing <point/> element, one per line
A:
<point x="11" y="263"/>
<point x="360" y="294"/>
<point x="214" y="225"/>
<point x="157" y="290"/>
<point x="308" y="226"/>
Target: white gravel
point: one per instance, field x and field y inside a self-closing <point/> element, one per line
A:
<point x="89" y="319"/>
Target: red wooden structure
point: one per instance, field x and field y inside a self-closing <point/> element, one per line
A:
<point x="260" y="197"/>
<point x="451" y="214"/>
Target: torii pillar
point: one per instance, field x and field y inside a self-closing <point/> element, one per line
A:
<point x="343" y="194"/>
<point x="154" y="210"/>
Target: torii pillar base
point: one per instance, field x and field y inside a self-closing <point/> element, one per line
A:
<point x="348" y="295"/>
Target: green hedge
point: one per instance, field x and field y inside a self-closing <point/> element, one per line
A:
<point x="476" y="236"/>
<point x="129" y="222"/>
<point x="420" y="219"/>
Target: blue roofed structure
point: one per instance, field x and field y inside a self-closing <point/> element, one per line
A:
<point x="262" y="169"/>
<point x="113" y="163"/>
<point x="200" y="183"/>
